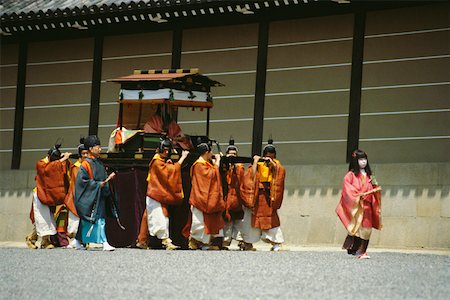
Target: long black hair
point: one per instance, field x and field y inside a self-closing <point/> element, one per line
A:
<point x="354" y="166"/>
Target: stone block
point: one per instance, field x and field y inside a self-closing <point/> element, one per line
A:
<point x="327" y="175"/>
<point x="20" y="179"/>
<point x="429" y="204"/>
<point x="317" y="201"/>
<point x="374" y="238"/>
<point x="4" y="220"/>
<point x="439" y="235"/>
<point x="19" y="230"/>
<point x="409" y="232"/>
<point x="296" y="201"/>
<point x="294" y="224"/>
<point x="24" y="205"/>
<point x="393" y="233"/>
<point x="31" y="179"/>
<point x="322" y="230"/>
<point x="444" y="174"/>
<point x="418" y="232"/>
<point x="295" y="230"/>
<point x="340" y="233"/>
<point x="398" y="205"/>
<point x="322" y="203"/>
<point x="445" y="206"/>
<point x="407" y="174"/>
<point x="16" y="202"/>
<point x="293" y="175"/>
<point x="386" y="204"/>
<point x="6" y="180"/>
<point x="291" y="205"/>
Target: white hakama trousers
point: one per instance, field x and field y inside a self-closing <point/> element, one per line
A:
<point x="252" y="235"/>
<point x="43" y="218"/>
<point x="198" y="228"/>
<point x="233" y="231"/>
<point x="72" y="224"/>
<point x="158" y="223"/>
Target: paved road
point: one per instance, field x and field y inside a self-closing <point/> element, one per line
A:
<point x="144" y="274"/>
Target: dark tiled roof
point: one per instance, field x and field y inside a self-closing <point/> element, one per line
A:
<point x="37" y="17"/>
<point x="13" y="6"/>
<point x="9" y="7"/>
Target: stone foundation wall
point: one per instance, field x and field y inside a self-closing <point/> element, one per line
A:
<point x="415" y="205"/>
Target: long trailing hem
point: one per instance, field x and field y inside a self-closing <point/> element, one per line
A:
<point x="355" y="245"/>
<point x="93" y="233"/>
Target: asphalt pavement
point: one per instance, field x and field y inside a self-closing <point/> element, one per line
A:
<point x="158" y="274"/>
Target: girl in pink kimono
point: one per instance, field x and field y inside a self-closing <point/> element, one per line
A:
<point x="360" y="206"/>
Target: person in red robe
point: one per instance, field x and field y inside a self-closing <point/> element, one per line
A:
<point x="262" y="192"/>
<point x="50" y="192"/>
<point x="167" y="125"/>
<point x="234" y="213"/>
<point x="164" y="188"/>
<point x="207" y="202"/>
<point x="359" y="208"/>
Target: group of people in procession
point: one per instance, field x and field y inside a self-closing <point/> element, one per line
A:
<point x="71" y="201"/>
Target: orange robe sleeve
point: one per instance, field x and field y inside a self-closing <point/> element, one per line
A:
<point x="277" y="186"/>
<point x="349" y="202"/>
<point x="376" y="211"/>
<point x="68" y="200"/>
<point x="233" y="197"/>
<point x="249" y="188"/>
<point x="88" y="168"/>
<point x="164" y="182"/>
<point x="50" y="182"/>
<point x="206" y="191"/>
<point x="206" y="195"/>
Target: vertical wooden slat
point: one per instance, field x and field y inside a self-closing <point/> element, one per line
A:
<point x="207" y="121"/>
<point x="96" y="85"/>
<point x="177" y="42"/>
<point x="20" y="105"/>
<point x="260" y="88"/>
<point x="356" y="83"/>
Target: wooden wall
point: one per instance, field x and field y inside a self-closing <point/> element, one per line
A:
<point x="405" y="103"/>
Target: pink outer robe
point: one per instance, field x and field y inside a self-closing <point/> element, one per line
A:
<point x="355" y="211"/>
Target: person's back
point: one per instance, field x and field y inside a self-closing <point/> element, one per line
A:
<point x="50" y="191"/>
<point x="207" y="203"/>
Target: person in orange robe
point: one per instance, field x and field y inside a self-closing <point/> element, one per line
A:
<point x="50" y="191"/>
<point x="207" y="202"/>
<point x="73" y="218"/>
<point x="234" y="212"/>
<point x="262" y="191"/>
<point x="164" y="188"/>
<point x="359" y="208"/>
